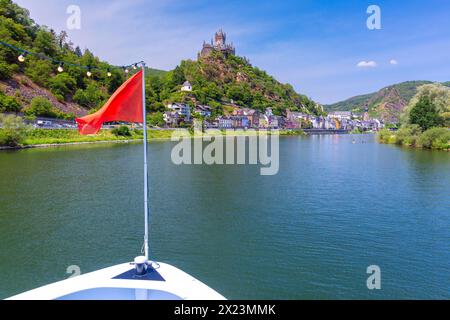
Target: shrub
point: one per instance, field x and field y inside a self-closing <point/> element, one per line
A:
<point x="62" y="85"/>
<point x="435" y="138"/>
<point x="5" y="71"/>
<point x="39" y="71"/>
<point x="122" y="131"/>
<point x="12" y="131"/>
<point x="9" y="104"/>
<point x="408" y="135"/>
<point x="92" y="97"/>
<point x="41" y="107"/>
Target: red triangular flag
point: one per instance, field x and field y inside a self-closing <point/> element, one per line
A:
<point x="124" y="105"/>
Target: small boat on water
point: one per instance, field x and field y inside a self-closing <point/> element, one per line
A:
<point x="142" y="279"/>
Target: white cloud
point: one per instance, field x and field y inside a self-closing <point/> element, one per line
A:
<point x="367" y="64"/>
<point x="393" y="62"/>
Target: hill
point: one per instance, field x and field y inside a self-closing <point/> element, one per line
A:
<point x="68" y="93"/>
<point x="219" y="80"/>
<point x="387" y="104"/>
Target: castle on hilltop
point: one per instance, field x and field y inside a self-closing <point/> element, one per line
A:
<point x="219" y="44"/>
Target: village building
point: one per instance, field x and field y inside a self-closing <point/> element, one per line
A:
<point x="225" y="123"/>
<point x="341" y="115"/>
<point x="204" y="111"/>
<point x="186" y="87"/>
<point x="183" y="110"/>
<point x="251" y="115"/>
<point x="171" y="118"/>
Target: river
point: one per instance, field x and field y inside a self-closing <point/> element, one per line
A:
<point x="338" y="205"/>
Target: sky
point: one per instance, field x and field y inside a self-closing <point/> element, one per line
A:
<point x="324" y="48"/>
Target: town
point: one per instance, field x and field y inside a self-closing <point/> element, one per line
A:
<point x="182" y="115"/>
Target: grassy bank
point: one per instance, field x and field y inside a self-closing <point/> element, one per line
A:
<point x="50" y="137"/>
<point x="33" y="137"/>
<point x="412" y="136"/>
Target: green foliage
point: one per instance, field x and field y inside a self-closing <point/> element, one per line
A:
<point x="411" y="135"/>
<point x="217" y="80"/>
<point x="156" y="119"/>
<point x="408" y="135"/>
<point x="45" y="42"/>
<point x="430" y="107"/>
<point x="41" y="107"/>
<point x="39" y="71"/>
<point x="63" y="85"/>
<point x="435" y="138"/>
<point x="12" y="130"/>
<point x="6" y="71"/>
<point x="424" y="114"/>
<point x="9" y="104"/>
<point x="92" y="97"/>
<point x="122" y="131"/>
<point x="386" y="136"/>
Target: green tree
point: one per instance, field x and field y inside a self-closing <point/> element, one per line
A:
<point x="9" y="104"/>
<point x="13" y="130"/>
<point x="45" y="43"/>
<point x="62" y="84"/>
<point x="122" y="131"/>
<point x="156" y="119"/>
<point x="41" y="107"/>
<point x="92" y="97"/>
<point x="424" y="114"/>
<point x="435" y="138"/>
<point x="39" y="71"/>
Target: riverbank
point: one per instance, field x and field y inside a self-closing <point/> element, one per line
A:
<point x="412" y="136"/>
<point x="41" y="138"/>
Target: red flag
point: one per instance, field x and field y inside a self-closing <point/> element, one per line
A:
<point x="124" y="105"/>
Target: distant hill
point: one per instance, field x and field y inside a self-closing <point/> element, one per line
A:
<point x="388" y="103"/>
<point x="149" y="72"/>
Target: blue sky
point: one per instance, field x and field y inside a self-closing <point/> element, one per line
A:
<point x="315" y="45"/>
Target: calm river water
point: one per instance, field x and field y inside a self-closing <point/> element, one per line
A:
<point x="310" y="232"/>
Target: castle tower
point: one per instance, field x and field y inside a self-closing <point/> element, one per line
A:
<point x="220" y="39"/>
<point x="218" y="44"/>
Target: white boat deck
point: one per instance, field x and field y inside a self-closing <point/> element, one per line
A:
<point x="167" y="283"/>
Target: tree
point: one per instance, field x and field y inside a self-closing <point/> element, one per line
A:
<point x="39" y="71"/>
<point x="9" y="104"/>
<point x="156" y="119"/>
<point x="45" y="43"/>
<point x="92" y="97"/>
<point x="62" y="84"/>
<point x="435" y="94"/>
<point x="12" y="131"/>
<point x="41" y="107"/>
<point x="424" y="114"/>
<point x="78" y="52"/>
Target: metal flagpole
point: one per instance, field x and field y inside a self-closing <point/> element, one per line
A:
<point x="146" y="188"/>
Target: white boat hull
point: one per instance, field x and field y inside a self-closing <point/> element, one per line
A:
<point x="120" y="282"/>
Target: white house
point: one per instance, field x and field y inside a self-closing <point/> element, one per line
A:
<point x="181" y="109"/>
<point x="187" y="87"/>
